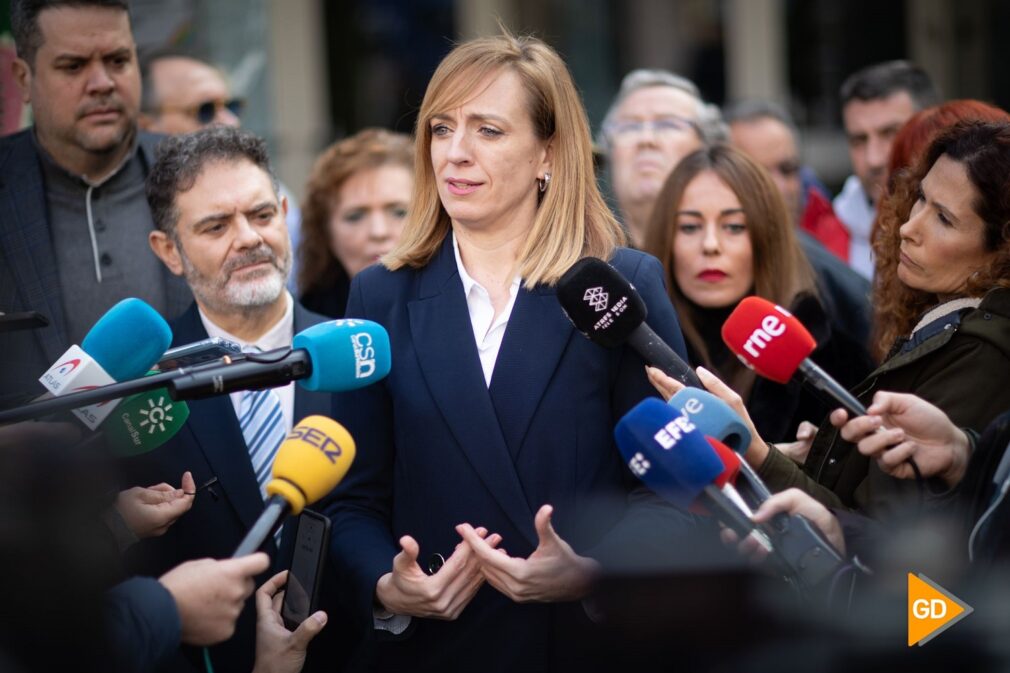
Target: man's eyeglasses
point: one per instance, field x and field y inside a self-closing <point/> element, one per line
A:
<point x="207" y="110"/>
<point x="664" y="126"/>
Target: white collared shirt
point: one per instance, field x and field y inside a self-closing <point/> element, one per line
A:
<point x="488" y="330"/>
<point x="278" y="336"/>
<point x="854" y="209"/>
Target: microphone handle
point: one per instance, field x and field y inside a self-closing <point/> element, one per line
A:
<point x="823" y="382"/>
<point x="726" y="511"/>
<point x="253" y="373"/>
<point x="657" y="353"/>
<point x="265" y="526"/>
<point x="85" y="398"/>
<point x="803" y="550"/>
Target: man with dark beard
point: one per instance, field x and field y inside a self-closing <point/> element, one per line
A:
<point x="220" y="225"/>
<point x="73" y="217"/>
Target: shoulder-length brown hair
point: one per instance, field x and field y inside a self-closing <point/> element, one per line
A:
<point x="781" y="270"/>
<point x="984" y="150"/>
<point x="366" y="150"/>
<point x="572" y="219"/>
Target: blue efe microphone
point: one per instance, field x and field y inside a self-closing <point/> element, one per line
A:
<point x="668" y="452"/>
<point x="333" y="356"/>
<point x="128" y="340"/>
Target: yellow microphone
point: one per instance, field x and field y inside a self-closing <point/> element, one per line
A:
<point x="311" y="461"/>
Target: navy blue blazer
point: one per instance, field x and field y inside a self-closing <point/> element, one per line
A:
<point x="29" y="280"/>
<point x="211" y="445"/>
<point x="437" y="447"/>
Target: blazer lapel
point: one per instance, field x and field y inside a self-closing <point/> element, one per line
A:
<point x="535" y="339"/>
<point x="443" y="337"/>
<point x="26" y="242"/>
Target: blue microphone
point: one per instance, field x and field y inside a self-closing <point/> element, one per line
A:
<point x="125" y="342"/>
<point x="333" y="356"/>
<point x="713" y="417"/>
<point x="670" y="455"/>
<point x="128" y="340"/>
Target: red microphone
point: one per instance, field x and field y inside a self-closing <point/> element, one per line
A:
<point x="769" y="340"/>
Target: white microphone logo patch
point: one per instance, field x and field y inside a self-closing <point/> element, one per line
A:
<point x="597" y="298"/>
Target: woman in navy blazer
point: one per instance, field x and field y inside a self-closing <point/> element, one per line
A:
<point x="495" y="426"/>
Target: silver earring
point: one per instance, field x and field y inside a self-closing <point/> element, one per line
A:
<point x="544" y="182"/>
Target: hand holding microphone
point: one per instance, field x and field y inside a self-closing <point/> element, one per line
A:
<point x="209" y="595"/>
<point x="916" y="429"/>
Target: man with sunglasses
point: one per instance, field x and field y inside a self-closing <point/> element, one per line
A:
<point x="183" y="94"/>
<point x="767" y="134"/>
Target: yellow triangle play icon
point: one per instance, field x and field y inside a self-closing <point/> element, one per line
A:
<point x="931" y="609"/>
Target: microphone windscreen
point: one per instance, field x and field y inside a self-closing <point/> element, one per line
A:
<point x="144" y="422"/>
<point x="128" y="340"/>
<point x="346" y="354"/>
<point x="667" y="452"/>
<point x="730" y="462"/>
<point x="713" y="417"/>
<point x="600" y="302"/>
<point x="311" y="461"/>
<point x="767" y="338"/>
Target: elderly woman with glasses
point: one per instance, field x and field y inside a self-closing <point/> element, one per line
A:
<point x="487" y="483"/>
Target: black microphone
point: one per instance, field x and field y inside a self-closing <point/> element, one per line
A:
<point x="605" y="307"/>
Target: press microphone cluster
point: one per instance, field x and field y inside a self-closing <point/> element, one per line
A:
<point x="310" y="463"/>
<point x="680" y="451"/>
<point x="607" y="309"/>
<point x="332" y="356"/>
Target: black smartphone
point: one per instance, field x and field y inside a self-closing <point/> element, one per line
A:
<point x="306" y="572"/>
<point x="206" y="350"/>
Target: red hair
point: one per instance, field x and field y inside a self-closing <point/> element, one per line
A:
<point x="920" y="129"/>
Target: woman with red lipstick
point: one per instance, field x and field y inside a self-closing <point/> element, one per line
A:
<point x="354" y="209"/>
<point x="487" y="485"/>
<point x="942" y="310"/>
<point x="722" y="231"/>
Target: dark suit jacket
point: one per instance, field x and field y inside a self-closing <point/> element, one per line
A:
<point x="211" y="445"/>
<point x="437" y="447"/>
<point x="28" y="277"/>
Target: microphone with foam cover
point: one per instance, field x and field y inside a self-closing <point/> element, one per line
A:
<point x="125" y="342"/>
<point x="144" y="422"/>
<point x="769" y="340"/>
<point x="668" y="453"/>
<point x="717" y="419"/>
<point x="333" y="356"/>
<point x="128" y="340"/>
<point x="713" y="417"/>
<point x="606" y="308"/>
<point x="310" y="463"/>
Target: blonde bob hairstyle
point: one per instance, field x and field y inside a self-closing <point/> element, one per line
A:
<point x="572" y="219"/>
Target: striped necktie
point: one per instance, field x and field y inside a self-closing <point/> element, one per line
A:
<point x="263" y="426"/>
